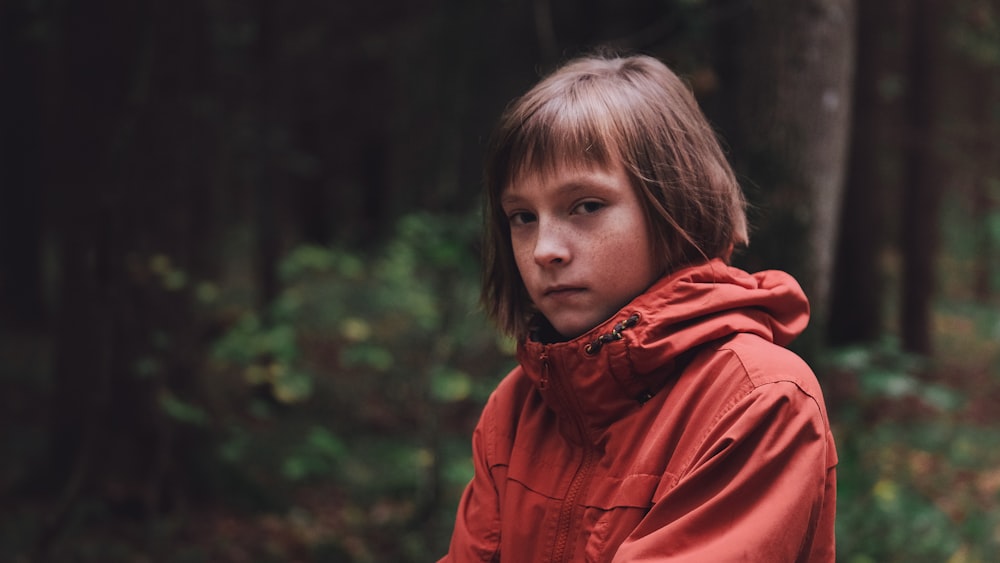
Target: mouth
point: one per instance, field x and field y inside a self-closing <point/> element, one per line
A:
<point x="562" y="290"/>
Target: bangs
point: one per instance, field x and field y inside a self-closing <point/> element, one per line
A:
<point x="573" y="131"/>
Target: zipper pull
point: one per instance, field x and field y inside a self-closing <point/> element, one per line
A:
<point x="543" y="382"/>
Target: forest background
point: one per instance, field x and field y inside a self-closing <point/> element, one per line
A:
<point x="238" y="317"/>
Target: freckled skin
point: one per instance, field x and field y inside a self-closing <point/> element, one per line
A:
<point x="581" y="243"/>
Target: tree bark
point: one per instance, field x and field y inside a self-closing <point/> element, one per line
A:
<point x="790" y="83"/>
<point x="924" y="177"/>
<point x="134" y="156"/>
<point x="21" y="300"/>
<point x="985" y="171"/>
<point x="91" y="74"/>
<point x="858" y="290"/>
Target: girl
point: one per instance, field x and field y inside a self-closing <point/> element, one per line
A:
<point x="655" y="414"/>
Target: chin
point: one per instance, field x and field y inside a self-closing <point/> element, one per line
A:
<point x="570" y="331"/>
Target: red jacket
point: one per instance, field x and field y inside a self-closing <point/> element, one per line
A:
<point x="678" y="430"/>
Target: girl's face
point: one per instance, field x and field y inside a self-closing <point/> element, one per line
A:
<point x="581" y="243"/>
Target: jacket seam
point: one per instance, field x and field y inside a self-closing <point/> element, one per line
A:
<point x="784" y="379"/>
<point x="735" y="399"/>
<point x="490" y="456"/>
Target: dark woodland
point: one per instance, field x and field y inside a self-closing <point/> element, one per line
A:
<point x="239" y="258"/>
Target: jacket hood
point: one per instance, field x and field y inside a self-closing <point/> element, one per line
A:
<point x="630" y="357"/>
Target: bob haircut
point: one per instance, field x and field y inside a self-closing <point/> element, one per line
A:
<point x="590" y="112"/>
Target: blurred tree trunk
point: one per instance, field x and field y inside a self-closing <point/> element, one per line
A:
<point x="266" y="180"/>
<point x="858" y="291"/>
<point x="985" y="210"/>
<point x="787" y="68"/>
<point x="981" y="75"/>
<point x="91" y="76"/>
<point x="986" y="183"/>
<point x="132" y="217"/>
<point x="924" y="174"/>
<point x="21" y="301"/>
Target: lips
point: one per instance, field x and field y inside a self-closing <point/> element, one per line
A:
<point x="561" y="290"/>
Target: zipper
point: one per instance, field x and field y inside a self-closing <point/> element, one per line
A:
<point x="543" y="382"/>
<point x="563" y="547"/>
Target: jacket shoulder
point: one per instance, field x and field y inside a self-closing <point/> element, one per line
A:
<point x="513" y="398"/>
<point x="765" y="363"/>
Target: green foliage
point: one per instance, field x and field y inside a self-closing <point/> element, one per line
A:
<point x="317" y="456"/>
<point x="182" y="411"/>
<point x="268" y="355"/>
<point x="915" y="482"/>
<point x="449" y="385"/>
<point x="367" y="371"/>
<point x="975" y="32"/>
<point x="915" y="492"/>
<point x="885" y="372"/>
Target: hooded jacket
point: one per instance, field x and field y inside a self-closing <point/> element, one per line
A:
<point x="680" y="429"/>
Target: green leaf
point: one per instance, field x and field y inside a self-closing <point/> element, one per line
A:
<point x="182" y="411"/>
<point x="292" y="387"/>
<point x="367" y="355"/>
<point x="325" y="443"/>
<point x="318" y="455"/>
<point x="449" y="385"/>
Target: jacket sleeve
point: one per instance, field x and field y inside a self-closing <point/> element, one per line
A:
<point x="476" y="536"/>
<point x="760" y="487"/>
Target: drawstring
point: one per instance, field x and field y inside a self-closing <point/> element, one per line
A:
<point x="615" y="334"/>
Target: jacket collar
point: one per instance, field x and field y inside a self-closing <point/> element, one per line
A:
<point x="617" y="366"/>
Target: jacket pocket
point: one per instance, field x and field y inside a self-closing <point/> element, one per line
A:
<point x="613" y="510"/>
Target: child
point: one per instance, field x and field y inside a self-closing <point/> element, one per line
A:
<point x="655" y="414"/>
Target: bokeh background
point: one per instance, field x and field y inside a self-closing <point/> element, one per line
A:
<point x="239" y="265"/>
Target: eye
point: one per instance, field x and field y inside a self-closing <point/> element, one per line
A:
<point x="521" y="218"/>
<point x="588" y="207"/>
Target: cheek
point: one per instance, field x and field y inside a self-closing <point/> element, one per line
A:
<point x="520" y="251"/>
<point x="640" y="255"/>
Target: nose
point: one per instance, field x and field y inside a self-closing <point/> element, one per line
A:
<point x="552" y="245"/>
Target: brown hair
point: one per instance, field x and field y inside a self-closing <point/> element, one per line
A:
<point x="590" y="111"/>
